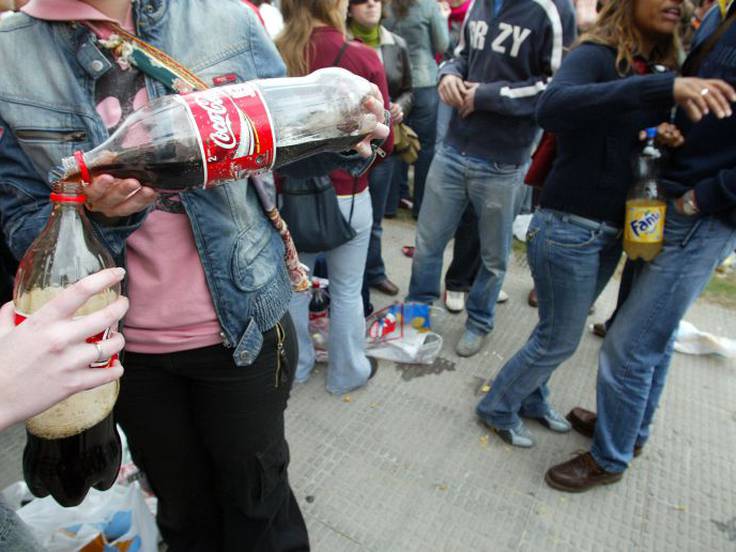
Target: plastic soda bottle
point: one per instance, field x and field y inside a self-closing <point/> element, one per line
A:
<point x="645" y="207"/>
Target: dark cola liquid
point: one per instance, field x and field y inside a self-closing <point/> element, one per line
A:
<point x="174" y="176"/>
<point x="179" y="176"/>
<point x="67" y="468"/>
<point x="289" y="154"/>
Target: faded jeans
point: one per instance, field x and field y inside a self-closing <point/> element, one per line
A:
<point x="495" y="190"/>
<point x="636" y="353"/>
<point x="571" y="265"/>
<point x="348" y="367"/>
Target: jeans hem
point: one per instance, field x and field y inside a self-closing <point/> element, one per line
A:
<point x="610" y="467"/>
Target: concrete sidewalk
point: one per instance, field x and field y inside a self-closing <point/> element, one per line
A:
<point x="402" y="465"/>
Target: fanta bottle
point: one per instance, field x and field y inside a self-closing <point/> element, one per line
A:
<point x="645" y="207"/>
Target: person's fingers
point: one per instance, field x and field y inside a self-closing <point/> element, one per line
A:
<point x="99" y="186"/>
<point x="363" y="149"/>
<point x="139" y="201"/>
<point x="381" y="132"/>
<point x="89" y="378"/>
<point x="716" y="101"/>
<point x="83" y="354"/>
<point x="7" y="318"/>
<point x="694" y="112"/>
<point x="98" y="321"/>
<point x="725" y="88"/>
<point x="117" y="192"/>
<point x="374" y="107"/>
<point x="69" y="300"/>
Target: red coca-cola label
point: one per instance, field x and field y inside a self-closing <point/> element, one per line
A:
<point x="235" y="131"/>
<point x="20" y="318"/>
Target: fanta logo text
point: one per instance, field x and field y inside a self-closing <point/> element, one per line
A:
<point x="646" y="224"/>
<point x="223" y="134"/>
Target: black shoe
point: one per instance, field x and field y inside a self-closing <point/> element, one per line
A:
<point x="374" y="367"/>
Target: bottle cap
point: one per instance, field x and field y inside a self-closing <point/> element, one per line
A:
<point x="67" y="198"/>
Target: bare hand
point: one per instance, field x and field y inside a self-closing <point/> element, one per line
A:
<point x="668" y="136"/>
<point x="452" y="90"/>
<point x="698" y="97"/>
<point x="118" y="197"/>
<point x="373" y="113"/>
<point x="469" y="101"/>
<point x="397" y="114"/>
<point x="47" y="358"/>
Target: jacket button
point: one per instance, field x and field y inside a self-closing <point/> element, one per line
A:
<point x="97" y="66"/>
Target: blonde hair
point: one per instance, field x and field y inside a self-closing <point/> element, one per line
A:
<point x="615" y="28"/>
<point x="301" y="17"/>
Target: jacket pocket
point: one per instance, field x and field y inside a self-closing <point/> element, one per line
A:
<point x="50" y="135"/>
<point x="46" y="147"/>
<point x="255" y="258"/>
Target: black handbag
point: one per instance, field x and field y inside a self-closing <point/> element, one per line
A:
<point x="309" y="207"/>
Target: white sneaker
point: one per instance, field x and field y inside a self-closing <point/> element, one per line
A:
<point x="502" y="297"/>
<point x="455" y="301"/>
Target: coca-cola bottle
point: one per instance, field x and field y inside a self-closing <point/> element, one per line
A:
<point x="205" y="138"/>
<point x="319" y="317"/>
<point x="73" y="445"/>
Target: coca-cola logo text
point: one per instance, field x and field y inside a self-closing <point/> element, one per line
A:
<point x="223" y="134"/>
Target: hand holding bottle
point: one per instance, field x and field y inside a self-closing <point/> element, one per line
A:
<point x="46" y="359"/>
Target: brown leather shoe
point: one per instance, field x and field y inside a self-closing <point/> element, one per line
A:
<point x="532" y="298"/>
<point x="386" y="286"/>
<point x="580" y="474"/>
<point x="583" y="421"/>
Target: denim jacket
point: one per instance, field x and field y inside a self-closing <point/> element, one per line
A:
<point x="47" y="111"/>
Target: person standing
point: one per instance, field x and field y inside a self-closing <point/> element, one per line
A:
<point x="700" y="231"/>
<point x="510" y="51"/>
<point x="608" y="90"/>
<point x="314" y="38"/>
<point x="364" y="23"/>
<point x="210" y="348"/>
<point x="424" y="28"/>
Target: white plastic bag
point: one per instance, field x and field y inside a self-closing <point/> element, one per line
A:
<point x="691" y="341"/>
<point x="110" y="521"/>
<point x="402" y="332"/>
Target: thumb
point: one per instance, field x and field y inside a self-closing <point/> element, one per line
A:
<point x="7" y="318"/>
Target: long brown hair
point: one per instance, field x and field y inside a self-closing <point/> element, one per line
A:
<point x="300" y="19"/>
<point x="401" y="7"/>
<point x="615" y="28"/>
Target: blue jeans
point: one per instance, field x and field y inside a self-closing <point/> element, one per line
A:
<point x="494" y="189"/>
<point x="571" y="265"/>
<point x="348" y="367"/>
<point x="423" y="120"/>
<point x="380" y="185"/>
<point x="636" y="353"/>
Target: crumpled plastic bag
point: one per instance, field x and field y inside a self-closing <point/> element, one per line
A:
<point x="402" y="333"/>
<point x="116" y="520"/>
<point x="691" y="341"/>
<point x="520" y="226"/>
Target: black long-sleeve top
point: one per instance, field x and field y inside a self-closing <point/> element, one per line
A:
<point x="597" y="116"/>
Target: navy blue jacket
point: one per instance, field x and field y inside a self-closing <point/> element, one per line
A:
<point x="512" y="56"/>
<point x="597" y="116"/>
<point x="707" y="161"/>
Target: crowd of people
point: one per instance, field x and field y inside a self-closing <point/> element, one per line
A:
<point x="206" y="380"/>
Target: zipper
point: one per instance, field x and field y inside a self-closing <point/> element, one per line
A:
<point x="280" y="355"/>
<point x="52" y="135"/>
